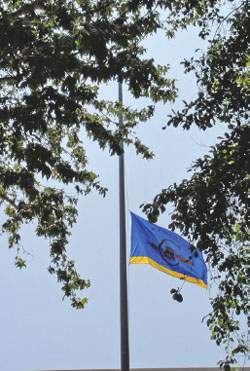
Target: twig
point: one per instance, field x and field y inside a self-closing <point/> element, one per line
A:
<point x="225" y="18"/>
<point x="6" y="198"/>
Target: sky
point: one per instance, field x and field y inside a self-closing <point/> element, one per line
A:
<point x="40" y="331"/>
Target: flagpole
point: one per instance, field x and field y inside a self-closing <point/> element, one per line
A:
<point x="123" y="255"/>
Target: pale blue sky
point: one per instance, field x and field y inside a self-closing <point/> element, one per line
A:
<point x="39" y="331"/>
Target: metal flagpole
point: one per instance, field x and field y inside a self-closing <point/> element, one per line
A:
<point x="123" y="257"/>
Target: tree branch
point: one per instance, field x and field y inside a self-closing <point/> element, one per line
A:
<point x="9" y="200"/>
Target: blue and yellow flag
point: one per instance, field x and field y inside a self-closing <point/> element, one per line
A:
<point x="166" y="251"/>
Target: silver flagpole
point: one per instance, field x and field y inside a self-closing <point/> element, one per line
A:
<point x="123" y="256"/>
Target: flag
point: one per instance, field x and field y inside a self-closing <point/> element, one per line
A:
<point x="166" y="251"/>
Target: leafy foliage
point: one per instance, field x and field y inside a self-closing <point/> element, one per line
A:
<point x="53" y="57"/>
